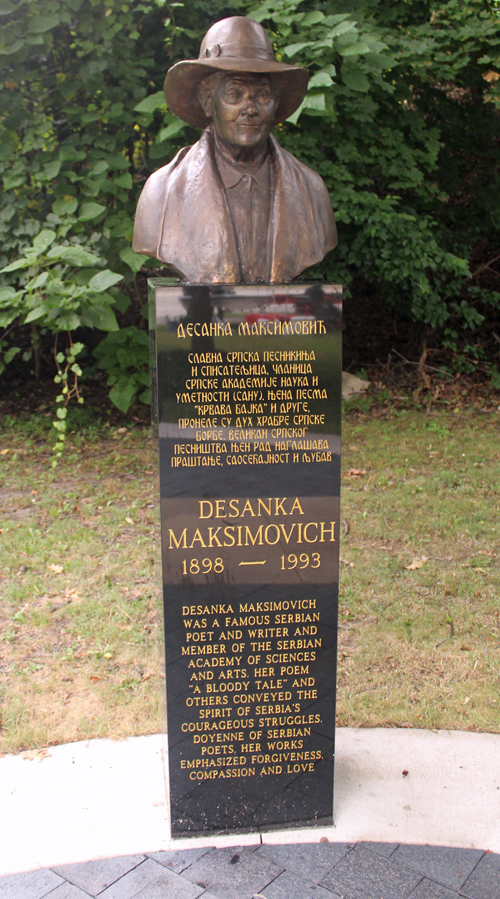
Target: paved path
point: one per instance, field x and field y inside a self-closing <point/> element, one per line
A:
<point x="317" y="870"/>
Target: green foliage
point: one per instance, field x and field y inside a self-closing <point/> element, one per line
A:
<point x="401" y="120"/>
<point x="60" y="288"/>
<point x="413" y="86"/>
<point x="124" y="355"/>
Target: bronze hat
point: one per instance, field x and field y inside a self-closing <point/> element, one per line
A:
<point x="236" y="44"/>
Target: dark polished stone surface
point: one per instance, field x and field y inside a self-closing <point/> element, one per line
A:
<point x="248" y="397"/>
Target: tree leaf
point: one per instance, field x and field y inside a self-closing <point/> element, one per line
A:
<point x="39" y="281"/>
<point x="123" y="397"/>
<point x="11" y="48"/>
<point x="315" y="101"/>
<point x="6" y="318"/>
<point x="53" y="168"/>
<point x="68" y="89"/>
<point x="380" y="61"/>
<point x="39" y="24"/>
<point x="120" y="300"/>
<point x="8" y="295"/>
<point x="354" y="49"/>
<point x="19" y="263"/>
<point x="320" y="79"/>
<point x="89" y="211"/>
<point x="64" y="205"/>
<point x="44" y="239"/>
<point x="69" y="153"/>
<point x="68" y="321"/>
<point x="74" y="256"/>
<point x="292" y="49"/>
<point x="117" y="161"/>
<point x="34" y="314"/>
<point x="295" y="116"/>
<point x="102" y="317"/>
<point x="354" y="78"/>
<point x="149" y="104"/>
<point x="104" y="280"/>
<point x="343" y="27"/>
<point x="11" y="180"/>
<point x="134" y="260"/>
<point x="171" y="130"/>
<point x="100" y="167"/>
<point x="312" y="18"/>
<point x="123" y="180"/>
<point x="34" y="40"/>
<point x="9" y="355"/>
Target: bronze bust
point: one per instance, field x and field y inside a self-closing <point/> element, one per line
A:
<point x="236" y="207"/>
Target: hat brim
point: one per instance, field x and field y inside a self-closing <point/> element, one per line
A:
<point x="183" y="79"/>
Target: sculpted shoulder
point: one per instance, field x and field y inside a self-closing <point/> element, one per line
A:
<point x="151" y="207"/>
<point x="307" y="201"/>
<point x="309" y="176"/>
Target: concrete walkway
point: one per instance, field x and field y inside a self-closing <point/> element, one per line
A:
<point x="106" y="801"/>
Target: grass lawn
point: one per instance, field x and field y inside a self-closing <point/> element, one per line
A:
<point x="420" y="590"/>
<point x="420" y="575"/>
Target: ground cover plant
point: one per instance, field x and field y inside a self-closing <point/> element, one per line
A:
<point x="420" y="574"/>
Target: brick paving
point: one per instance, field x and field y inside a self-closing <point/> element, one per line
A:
<point x="298" y="871"/>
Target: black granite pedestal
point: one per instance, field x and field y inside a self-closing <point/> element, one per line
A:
<point x="248" y="395"/>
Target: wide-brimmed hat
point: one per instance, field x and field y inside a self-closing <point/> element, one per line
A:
<point x="236" y="44"/>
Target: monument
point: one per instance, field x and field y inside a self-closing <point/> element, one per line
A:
<point x="247" y="378"/>
<point x="236" y="207"/>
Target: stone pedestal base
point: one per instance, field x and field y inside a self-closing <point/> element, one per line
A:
<point x="248" y="395"/>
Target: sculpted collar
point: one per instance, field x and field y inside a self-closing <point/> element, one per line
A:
<point x="232" y="172"/>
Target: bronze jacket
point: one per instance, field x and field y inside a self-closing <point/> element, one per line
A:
<point x="183" y="218"/>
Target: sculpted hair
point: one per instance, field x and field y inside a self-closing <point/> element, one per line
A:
<point x="207" y="87"/>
